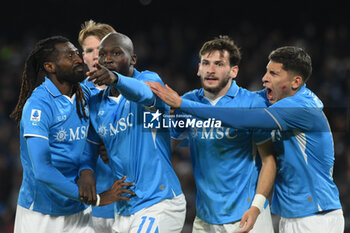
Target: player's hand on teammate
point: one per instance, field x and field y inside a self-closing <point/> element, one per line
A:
<point x="87" y="187"/>
<point x="101" y="75"/>
<point x="168" y="95"/>
<point x="103" y="153"/>
<point x="115" y="192"/>
<point x="248" y="219"/>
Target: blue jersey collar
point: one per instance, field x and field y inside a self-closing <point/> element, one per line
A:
<point x="51" y="88"/>
<point x="232" y="92"/>
<point x="301" y="90"/>
<point x="136" y="73"/>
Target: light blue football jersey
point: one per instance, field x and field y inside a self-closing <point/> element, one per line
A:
<point x="103" y="174"/>
<point x="50" y="115"/>
<point x="224" y="159"/>
<point x="304" y="183"/>
<point x="302" y="137"/>
<point x="142" y="154"/>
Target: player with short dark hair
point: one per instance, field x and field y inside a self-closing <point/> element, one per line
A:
<point x="231" y="193"/>
<point x="305" y="195"/>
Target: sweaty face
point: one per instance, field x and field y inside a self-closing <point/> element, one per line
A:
<point x="90" y="54"/>
<point x="114" y="55"/>
<point x="215" y="71"/>
<point x="69" y="65"/>
<point x="277" y="81"/>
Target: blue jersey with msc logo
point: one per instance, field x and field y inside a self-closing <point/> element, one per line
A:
<point x="142" y="154"/>
<point x="304" y="183"/>
<point x="103" y="174"/>
<point x="51" y="116"/>
<point x="224" y="159"/>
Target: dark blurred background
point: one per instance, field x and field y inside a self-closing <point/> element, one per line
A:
<point x="167" y="36"/>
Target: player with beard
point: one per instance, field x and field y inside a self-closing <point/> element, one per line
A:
<point x="52" y="116"/>
<point x="305" y="195"/>
<point x="231" y="193"/>
<point x="142" y="154"/>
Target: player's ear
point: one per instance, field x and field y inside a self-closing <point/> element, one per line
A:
<point x="50" y="67"/>
<point x="133" y="59"/>
<point x="234" y="71"/>
<point x="199" y="67"/>
<point x="297" y="82"/>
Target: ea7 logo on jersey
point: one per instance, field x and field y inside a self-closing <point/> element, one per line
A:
<point x="35" y="115"/>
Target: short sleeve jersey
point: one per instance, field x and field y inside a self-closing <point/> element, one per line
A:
<point x="50" y="115"/>
<point x="142" y="154"/>
<point x="304" y="183"/>
<point x="224" y="159"/>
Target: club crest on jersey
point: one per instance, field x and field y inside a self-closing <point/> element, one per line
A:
<point x="35" y="115"/>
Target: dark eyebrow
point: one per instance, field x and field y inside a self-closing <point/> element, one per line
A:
<point x="219" y="61"/>
<point x="273" y="72"/>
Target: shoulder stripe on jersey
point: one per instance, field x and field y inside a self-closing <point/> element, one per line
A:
<point x="278" y="124"/>
<point x="35" y="135"/>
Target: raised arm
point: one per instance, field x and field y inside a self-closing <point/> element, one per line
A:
<point x="243" y="118"/>
<point x="131" y="88"/>
<point x="135" y="90"/>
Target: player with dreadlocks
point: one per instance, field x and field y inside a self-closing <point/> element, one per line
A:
<point x="53" y="120"/>
<point x="34" y="74"/>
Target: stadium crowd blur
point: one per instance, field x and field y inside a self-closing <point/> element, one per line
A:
<point x="170" y="48"/>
